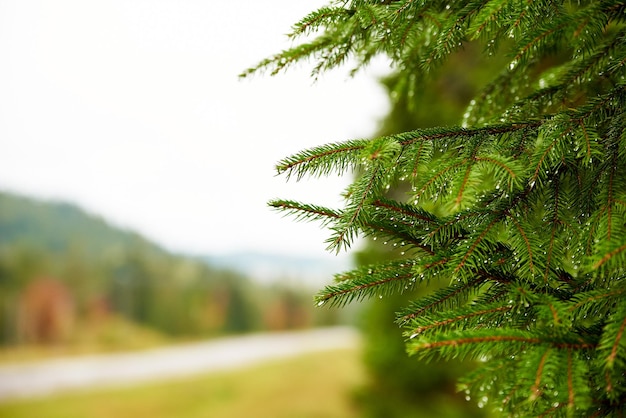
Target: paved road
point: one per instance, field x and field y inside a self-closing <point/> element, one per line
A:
<point x="41" y="378"/>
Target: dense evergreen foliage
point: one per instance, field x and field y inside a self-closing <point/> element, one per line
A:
<point x="401" y="386"/>
<point x="520" y="211"/>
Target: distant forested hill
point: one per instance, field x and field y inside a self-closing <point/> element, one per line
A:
<point x="58" y="226"/>
<point x="61" y="267"/>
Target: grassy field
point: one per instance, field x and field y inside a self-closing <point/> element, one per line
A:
<point x="312" y="386"/>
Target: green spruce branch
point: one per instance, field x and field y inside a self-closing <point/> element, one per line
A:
<point x="516" y="218"/>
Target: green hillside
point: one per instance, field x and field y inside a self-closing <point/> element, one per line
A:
<point x="59" y="226"/>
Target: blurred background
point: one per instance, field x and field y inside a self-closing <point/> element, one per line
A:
<point x="134" y="175"/>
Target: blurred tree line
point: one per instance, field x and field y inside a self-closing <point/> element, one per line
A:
<point x="63" y="271"/>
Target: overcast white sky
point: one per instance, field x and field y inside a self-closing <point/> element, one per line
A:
<point x="133" y="110"/>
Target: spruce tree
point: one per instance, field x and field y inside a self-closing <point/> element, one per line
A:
<point x="519" y="212"/>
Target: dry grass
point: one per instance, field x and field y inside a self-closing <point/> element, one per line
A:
<point x="116" y="334"/>
<point x="312" y="386"/>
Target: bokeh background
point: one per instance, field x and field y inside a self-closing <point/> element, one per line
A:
<point x="134" y="175"/>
